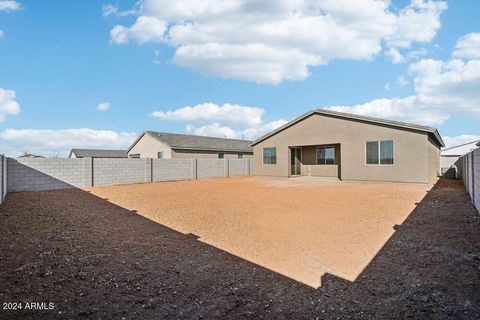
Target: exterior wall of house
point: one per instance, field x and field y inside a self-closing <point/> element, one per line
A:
<point x="207" y="154"/>
<point x="410" y="149"/>
<point x="149" y="147"/>
<point x="433" y="160"/>
<point x="72" y="155"/>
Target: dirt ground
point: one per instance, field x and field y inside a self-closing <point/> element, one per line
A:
<point x="242" y="248"/>
<point x="301" y="229"/>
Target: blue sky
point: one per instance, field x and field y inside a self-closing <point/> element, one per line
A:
<point x="60" y="59"/>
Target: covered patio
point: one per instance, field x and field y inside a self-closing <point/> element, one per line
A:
<point x="321" y="160"/>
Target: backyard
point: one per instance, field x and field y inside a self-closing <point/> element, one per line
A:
<point x="243" y="247"/>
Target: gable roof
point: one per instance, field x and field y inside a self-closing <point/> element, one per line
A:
<point x="461" y="149"/>
<point x="98" y="153"/>
<point x="397" y="124"/>
<point x="191" y="142"/>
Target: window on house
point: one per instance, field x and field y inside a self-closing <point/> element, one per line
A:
<point x="136" y="155"/>
<point x="326" y="155"/>
<point x="269" y="155"/>
<point x="240" y="156"/>
<point x="221" y="156"/>
<point x="379" y="152"/>
<point x="160" y="155"/>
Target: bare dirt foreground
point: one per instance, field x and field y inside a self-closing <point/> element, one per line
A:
<point x="242" y="248"/>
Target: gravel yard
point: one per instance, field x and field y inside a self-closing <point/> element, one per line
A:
<point x="240" y="248"/>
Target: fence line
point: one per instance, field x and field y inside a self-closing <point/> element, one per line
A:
<point x="3" y="177"/>
<point x="471" y="175"/>
<point x="56" y="173"/>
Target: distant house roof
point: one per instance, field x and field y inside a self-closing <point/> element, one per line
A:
<point x="191" y="142"/>
<point x="98" y="153"/>
<point x="30" y="155"/>
<point x="461" y="149"/>
<point x="432" y="131"/>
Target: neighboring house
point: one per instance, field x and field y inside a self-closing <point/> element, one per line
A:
<point x="97" y="153"/>
<point x="29" y="156"/>
<point x="350" y="147"/>
<point x="450" y="164"/>
<point x="151" y="144"/>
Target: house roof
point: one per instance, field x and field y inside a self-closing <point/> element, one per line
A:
<point x="98" y="153"/>
<point x="191" y="142"/>
<point x="397" y="124"/>
<point x="461" y="149"/>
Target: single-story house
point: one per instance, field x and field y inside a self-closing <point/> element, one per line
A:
<point x="349" y="147"/>
<point x="97" y="153"/>
<point x="151" y="144"/>
<point x="450" y="163"/>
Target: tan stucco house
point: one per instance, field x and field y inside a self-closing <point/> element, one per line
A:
<point x="151" y="144"/>
<point x="349" y="147"/>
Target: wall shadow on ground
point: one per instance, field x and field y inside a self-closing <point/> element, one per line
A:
<point x="94" y="259"/>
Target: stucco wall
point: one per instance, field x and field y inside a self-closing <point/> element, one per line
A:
<point x="149" y="147"/>
<point x="433" y="160"/>
<point x="410" y="149"/>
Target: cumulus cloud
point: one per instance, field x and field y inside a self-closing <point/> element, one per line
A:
<point x="8" y="105"/>
<point x="52" y="142"/>
<point x="468" y="47"/>
<point x="442" y="89"/>
<point x="210" y="112"/>
<point x="458" y="140"/>
<point x="227" y="120"/>
<point x="250" y="133"/>
<point x="9" y="5"/>
<point x="112" y="10"/>
<point x="104" y="106"/>
<point x="275" y="40"/>
<point x="145" y="29"/>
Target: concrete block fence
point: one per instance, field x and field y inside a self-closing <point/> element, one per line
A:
<point x="57" y="173"/>
<point x="471" y="175"/>
<point x="3" y="177"/>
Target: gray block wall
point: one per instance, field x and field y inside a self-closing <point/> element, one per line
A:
<point x="3" y="177"/>
<point x="212" y="168"/>
<point x="108" y="171"/>
<point x="56" y="173"/>
<point x="471" y="176"/>
<point x="44" y="174"/>
<point x="178" y="169"/>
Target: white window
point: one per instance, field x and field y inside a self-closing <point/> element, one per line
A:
<point x="136" y="155"/>
<point x="221" y="156"/>
<point x="160" y="155"/>
<point x="240" y="156"/>
<point x="380" y="152"/>
<point x="325" y="155"/>
<point x="269" y="155"/>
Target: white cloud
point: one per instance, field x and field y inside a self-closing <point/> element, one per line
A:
<point x="442" y="89"/>
<point x="9" y="5"/>
<point x="51" y="142"/>
<point x="402" y="82"/>
<point x="8" y="105"/>
<point x="104" y="106"/>
<point x="218" y="130"/>
<point x="458" y="140"/>
<point x="468" y="46"/>
<point x="210" y="112"/>
<point x="110" y="9"/>
<point x="145" y="29"/>
<point x="276" y="40"/>
<point x="395" y="56"/>
<point x="387" y="86"/>
<point x="1" y="34"/>
<point x="230" y="120"/>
